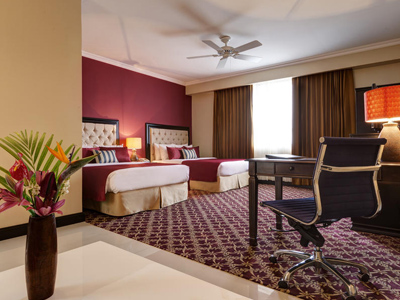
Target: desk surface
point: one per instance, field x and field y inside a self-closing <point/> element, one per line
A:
<point x="102" y="271"/>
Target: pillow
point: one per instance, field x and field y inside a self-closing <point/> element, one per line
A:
<point x="174" y="152"/>
<point x="105" y="156"/>
<point x="121" y="153"/>
<point x="164" y="152"/>
<point x="157" y="151"/>
<point x="197" y="149"/>
<point x="189" y="153"/>
<point x="88" y="151"/>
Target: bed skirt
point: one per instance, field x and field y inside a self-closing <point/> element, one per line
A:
<point x="223" y="183"/>
<point x="131" y="202"/>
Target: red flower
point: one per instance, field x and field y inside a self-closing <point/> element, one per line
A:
<point x="11" y="199"/>
<point x="19" y="171"/>
<point x="48" y="187"/>
<point x="43" y="210"/>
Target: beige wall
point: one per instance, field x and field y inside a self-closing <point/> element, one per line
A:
<point x="365" y="75"/>
<point x="202" y="122"/>
<point x="41" y="80"/>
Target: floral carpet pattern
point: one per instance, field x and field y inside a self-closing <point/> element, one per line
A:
<point x="213" y="229"/>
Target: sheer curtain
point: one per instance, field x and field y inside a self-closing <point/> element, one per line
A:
<point x="272" y="117"/>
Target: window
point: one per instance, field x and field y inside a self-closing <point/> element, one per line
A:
<point x="272" y="117"/>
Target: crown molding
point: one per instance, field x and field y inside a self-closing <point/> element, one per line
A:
<point x="129" y="67"/>
<point x="364" y="48"/>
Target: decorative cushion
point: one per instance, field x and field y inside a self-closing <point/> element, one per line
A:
<point x="189" y="153"/>
<point x="197" y="149"/>
<point x="89" y="152"/>
<point x="174" y="153"/>
<point x="121" y="153"/>
<point x="105" y="156"/>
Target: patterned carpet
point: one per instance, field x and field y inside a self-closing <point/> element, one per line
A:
<point x="213" y="229"/>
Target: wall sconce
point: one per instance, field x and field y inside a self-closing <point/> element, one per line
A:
<point x="383" y="105"/>
<point x="134" y="143"/>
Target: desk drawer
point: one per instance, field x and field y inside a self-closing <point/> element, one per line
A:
<point x="295" y="170"/>
<point x="265" y="168"/>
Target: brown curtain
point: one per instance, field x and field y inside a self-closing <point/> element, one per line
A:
<point x="233" y="123"/>
<point x="323" y="105"/>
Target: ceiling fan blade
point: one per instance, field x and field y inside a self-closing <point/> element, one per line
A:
<point x="247" y="46"/>
<point x="212" y="55"/>
<point x="212" y="45"/>
<point x="222" y="62"/>
<point x="247" y="57"/>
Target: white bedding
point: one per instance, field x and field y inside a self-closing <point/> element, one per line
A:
<point x="139" y="178"/>
<point x="226" y="168"/>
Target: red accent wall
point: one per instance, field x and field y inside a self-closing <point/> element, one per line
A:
<point x="134" y="99"/>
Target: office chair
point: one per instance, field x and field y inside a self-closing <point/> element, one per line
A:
<point x="344" y="185"/>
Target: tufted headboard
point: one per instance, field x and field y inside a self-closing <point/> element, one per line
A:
<point x="165" y="134"/>
<point x="101" y="132"/>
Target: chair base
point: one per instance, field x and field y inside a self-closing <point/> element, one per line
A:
<point x="319" y="261"/>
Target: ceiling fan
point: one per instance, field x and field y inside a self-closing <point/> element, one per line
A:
<point x="227" y="51"/>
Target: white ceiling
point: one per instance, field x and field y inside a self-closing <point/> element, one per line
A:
<point x="155" y="36"/>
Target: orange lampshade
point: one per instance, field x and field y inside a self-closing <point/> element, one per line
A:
<point x="134" y="143"/>
<point x="382" y="104"/>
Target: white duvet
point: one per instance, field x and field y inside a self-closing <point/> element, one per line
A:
<point x="226" y="168"/>
<point x="139" y="178"/>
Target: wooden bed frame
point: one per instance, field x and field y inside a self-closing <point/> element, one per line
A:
<point x="167" y="134"/>
<point x="130" y="202"/>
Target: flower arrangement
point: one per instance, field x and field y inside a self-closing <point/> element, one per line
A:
<point x="34" y="181"/>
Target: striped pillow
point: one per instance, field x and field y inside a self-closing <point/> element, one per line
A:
<point x="105" y="156"/>
<point x="189" y="153"/>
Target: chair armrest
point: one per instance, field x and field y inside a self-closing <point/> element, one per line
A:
<point x="350" y="169"/>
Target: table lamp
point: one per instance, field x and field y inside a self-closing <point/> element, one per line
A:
<point x="383" y="105"/>
<point x="134" y="143"/>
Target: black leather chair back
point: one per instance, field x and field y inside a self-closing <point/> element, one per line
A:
<point x="347" y="194"/>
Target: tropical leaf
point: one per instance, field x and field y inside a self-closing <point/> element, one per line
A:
<point x="44" y="153"/>
<point x="18" y="148"/>
<point x="73" y="167"/>
<point x="33" y="146"/>
<point x="30" y="139"/>
<point x="39" y="146"/>
<point x="9" y="151"/>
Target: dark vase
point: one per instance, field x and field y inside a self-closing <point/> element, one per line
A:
<point x="41" y="257"/>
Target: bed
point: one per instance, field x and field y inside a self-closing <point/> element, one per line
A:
<point x="229" y="174"/>
<point x="125" y="187"/>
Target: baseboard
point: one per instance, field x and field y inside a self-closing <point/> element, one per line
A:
<point x="18" y="230"/>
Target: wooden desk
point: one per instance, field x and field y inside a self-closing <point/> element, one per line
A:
<point x="279" y="168"/>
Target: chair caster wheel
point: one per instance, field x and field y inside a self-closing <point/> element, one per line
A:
<point x="283" y="284"/>
<point x="349" y="298"/>
<point x="363" y="277"/>
<point x="273" y="259"/>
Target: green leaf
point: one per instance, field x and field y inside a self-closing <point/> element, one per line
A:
<point x="39" y="146"/>
<point x="9" y="151"/>
<point x="33" y="146"/>
<point x="30" y="139"/>
<point x="44" y="152"/>
<point x="3" y="182"/>
<point x="17" y="148"/>
<point x="4" y="171"/>
<point x="74" y="167"/>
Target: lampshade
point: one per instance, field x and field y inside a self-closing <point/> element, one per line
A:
<point x="382" y="104"/>
<point x="134" y="143"/>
